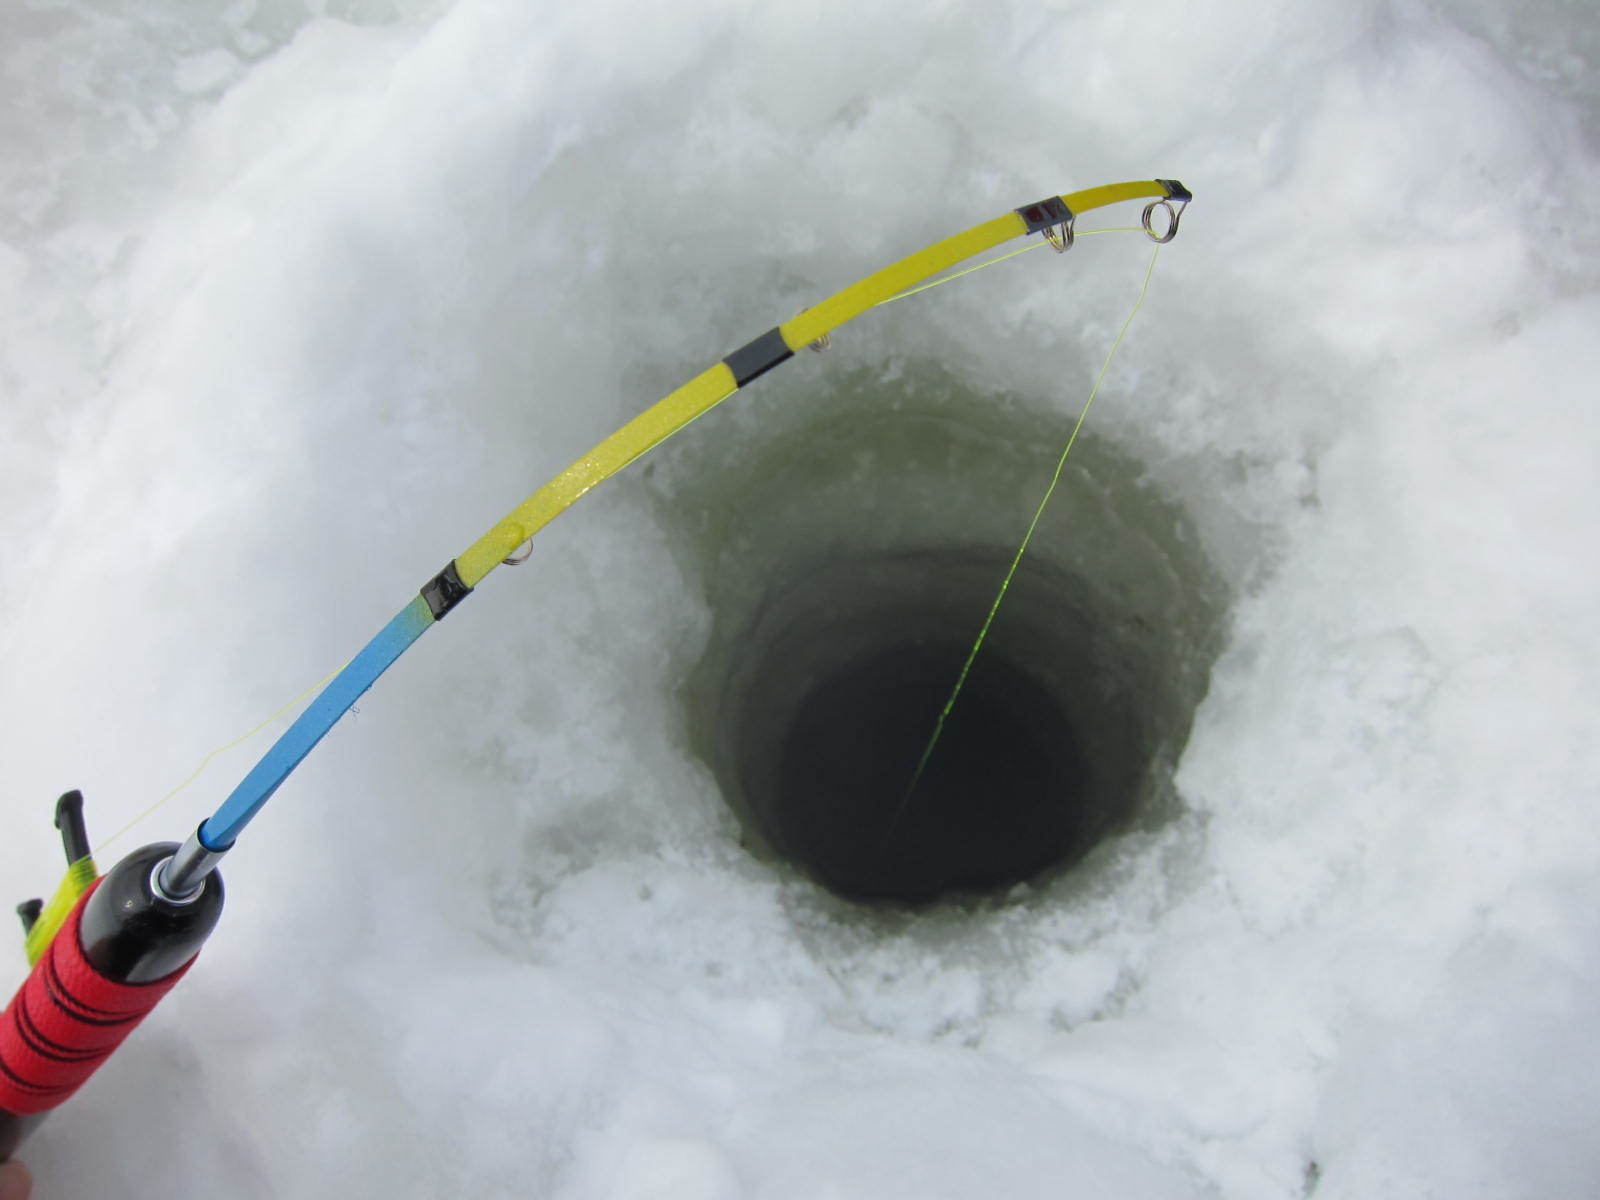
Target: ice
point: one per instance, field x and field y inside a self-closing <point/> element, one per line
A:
<point x="299" y="298"/>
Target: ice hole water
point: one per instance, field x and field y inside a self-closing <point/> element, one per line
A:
<point x="850" y="557"/>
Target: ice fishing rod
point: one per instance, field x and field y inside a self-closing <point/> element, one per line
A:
<point x="106" y="950"/>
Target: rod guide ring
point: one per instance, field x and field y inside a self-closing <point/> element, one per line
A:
<point x="1061" y="236"/>
<point x="1174" y="215"/>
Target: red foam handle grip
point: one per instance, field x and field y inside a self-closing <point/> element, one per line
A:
<point x="65" y="1021"/>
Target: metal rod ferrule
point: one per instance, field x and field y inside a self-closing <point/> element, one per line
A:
<point x="179" y="879"/>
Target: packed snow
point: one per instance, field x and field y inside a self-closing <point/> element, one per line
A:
<point x="299" y="298"/>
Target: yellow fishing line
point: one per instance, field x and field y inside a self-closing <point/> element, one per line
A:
<point x="999" y="258"/>
<point x="206" y="761"/>
<point x="983" y="632"/>
<point x="714" y="384"/>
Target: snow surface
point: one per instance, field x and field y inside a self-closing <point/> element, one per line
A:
<point x="297" y="299"/>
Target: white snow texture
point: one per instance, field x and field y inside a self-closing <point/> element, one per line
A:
<point x="299" y="298"/>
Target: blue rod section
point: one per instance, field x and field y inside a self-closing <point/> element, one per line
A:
<point x="348" y="686"/>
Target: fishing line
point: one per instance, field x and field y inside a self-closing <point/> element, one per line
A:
<point x="206" y="761"/>
<point x="1000" y="258"/>
<point x="1054" y="217"/>
<point x="1005" y="583"/>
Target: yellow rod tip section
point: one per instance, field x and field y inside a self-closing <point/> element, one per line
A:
<point x="706" y="390"/>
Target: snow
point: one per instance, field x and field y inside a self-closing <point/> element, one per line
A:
<point x="299" y="298"/>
